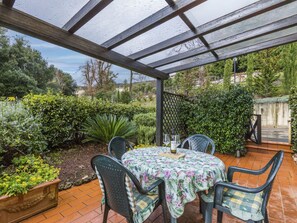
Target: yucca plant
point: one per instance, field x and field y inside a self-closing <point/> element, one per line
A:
<point x="103" y="128"/>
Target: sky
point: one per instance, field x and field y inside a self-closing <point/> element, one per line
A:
<point x="66" y="60"/>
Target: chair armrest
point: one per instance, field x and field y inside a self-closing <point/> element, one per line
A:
<point x="219" y="190"/>
<point x="150" y="187"/>
<point x="233" y="169"/>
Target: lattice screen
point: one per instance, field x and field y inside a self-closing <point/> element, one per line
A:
<point x="171" y="117"/>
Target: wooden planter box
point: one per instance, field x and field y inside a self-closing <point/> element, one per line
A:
<point x="38" y="199"/>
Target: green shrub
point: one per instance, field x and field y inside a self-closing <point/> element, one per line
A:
<point x="146" y="119"/>
<point x="293" y="107"/>
<point x="146" y="134"/>
<point x="20" y="132"/>
<point x="103" y="128"/>
<point x="62" y="116"/>
<point x="25" y="173"/>
<point x="223" y="115"/>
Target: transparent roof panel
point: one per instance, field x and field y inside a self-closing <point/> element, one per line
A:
<point x="118" y="16"/>
<point x="257" y="21"/>
<point x="258" y="40"/>
<point x="213" y="9"/>
<point x="186" y="61"/>
<point x="55" y="12"/>
<point x="172" y="51"/>
<point x="156" y="35"/>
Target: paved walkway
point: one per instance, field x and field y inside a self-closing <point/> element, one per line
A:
<point x="82" y="204"/>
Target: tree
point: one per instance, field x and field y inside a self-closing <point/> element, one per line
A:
<point x="22" y="69"/>
<point x="16" y="83"/>
<point x="215" y="69"/>
<point x="186" y="81"/>
<point x="99" y="78"/>
<point x="227" y="74"/>
<point x="289" y="64"/>
<point x="250" y="72"/>
<point x="31" y="62"/>
<point x="63" y="83"/>
<point x="265" y="82"/>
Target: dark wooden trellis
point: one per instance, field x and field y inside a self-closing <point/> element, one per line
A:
<point x="171" y="114"/>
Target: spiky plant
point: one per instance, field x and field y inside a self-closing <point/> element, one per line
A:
<point x="103" y="128"/>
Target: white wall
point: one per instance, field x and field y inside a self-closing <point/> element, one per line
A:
<point x="274" y="111"/>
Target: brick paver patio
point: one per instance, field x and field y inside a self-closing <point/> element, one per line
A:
<point x="82" y="204"/>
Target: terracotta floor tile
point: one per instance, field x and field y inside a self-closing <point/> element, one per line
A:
<point x="53" y="219"/>
<point x="35" y="219"/>
<point x="82" y="204"/>
<point x="87" y="217"/>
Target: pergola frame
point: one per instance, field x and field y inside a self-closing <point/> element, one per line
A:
<point x="65" y="36"/>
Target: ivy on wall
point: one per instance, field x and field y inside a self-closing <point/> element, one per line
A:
<point x="223" y="115"/>
<point x="293" y="107"/>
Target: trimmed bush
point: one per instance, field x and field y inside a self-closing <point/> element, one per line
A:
<point x="20" y="131"/>
<point x="146" y="134"/>
<point x="293" y="107"/>
<point x="148" y="119"/>
<point x="63" y="116"/>
<point x="146" y="131"/>
<point x="223" y="115"/>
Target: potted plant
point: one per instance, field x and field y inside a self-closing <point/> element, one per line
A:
<point x="27" y="187"/>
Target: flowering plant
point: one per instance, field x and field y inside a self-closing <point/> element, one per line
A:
<point x="25" y="173"/>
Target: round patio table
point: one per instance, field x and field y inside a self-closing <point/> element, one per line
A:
<point x="183" y="177"/>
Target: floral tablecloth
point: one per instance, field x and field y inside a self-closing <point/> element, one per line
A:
<point x="183" y="177"/>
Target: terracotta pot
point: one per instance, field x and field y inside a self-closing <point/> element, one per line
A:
<point x="38" y="199"/>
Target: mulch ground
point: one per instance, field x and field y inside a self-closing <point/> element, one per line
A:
<point x="74" y="163"/>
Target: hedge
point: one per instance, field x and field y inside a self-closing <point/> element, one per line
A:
<point x="293" y="108"/>
<point x="62" y="116"/>
<point x="223" y="115"/>
<point x="146" y="131"/>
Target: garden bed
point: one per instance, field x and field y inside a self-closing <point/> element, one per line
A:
<point x="74" y="162"/>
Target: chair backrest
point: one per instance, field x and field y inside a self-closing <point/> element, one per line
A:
<point x="275" y="164"/>
<point x="199" y="142"/>
<point x="118" y="146"/>
<point x="114" y="176"/>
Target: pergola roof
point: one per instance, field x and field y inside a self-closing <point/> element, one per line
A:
<point x="156" y="37"/>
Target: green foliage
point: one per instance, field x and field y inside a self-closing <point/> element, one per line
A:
<point x="62" y="116"/>
<point x="103" y="128"/>
<point x="227" y="74"/>
<point x="216" y="69"/>
<point x="289" y="63"/>
<point x="265" y="82"/>
<point x="146" y="134"/>
<point x="125" y="97"/>
<point x="25" y="173"/>
<point x="146" y="119"/>
<point x="23" y="70"/>
<point x="222" y="115"/>
<point x="293" y="107"/>
<point x="146" y="131"/>
<point x="16" y="83"/>
<point x="20" y="132"/>
<point x="186" y="81"/>
<point x="249" y="72"/>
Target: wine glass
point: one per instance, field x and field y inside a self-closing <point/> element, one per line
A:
<point x="176" y="141"/>
<point x="166" y="139"/>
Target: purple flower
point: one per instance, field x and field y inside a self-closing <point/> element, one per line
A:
<point x="167" y="174"/>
